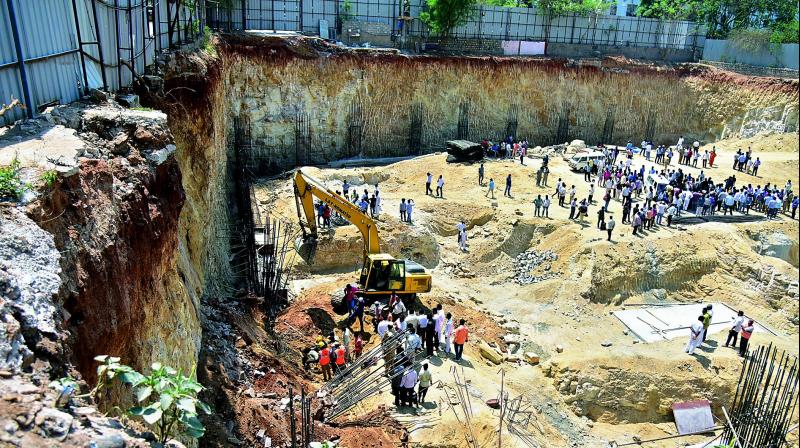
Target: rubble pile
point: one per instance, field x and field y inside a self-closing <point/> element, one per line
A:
<point x="534" y="266"/>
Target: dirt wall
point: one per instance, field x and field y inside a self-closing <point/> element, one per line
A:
<point x="311" y="103"/>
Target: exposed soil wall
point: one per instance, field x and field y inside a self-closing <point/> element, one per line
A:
<point x="115" y="223"/>
<point x="311" y="103"/>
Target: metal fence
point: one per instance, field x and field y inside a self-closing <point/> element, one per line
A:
<point x="52" y="51"/>
<point x="487" y="22"/>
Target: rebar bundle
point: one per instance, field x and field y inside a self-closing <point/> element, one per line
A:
<point x="369" y="374"/>
<point x="260" y="244"/>
<point x="765" y="400"/>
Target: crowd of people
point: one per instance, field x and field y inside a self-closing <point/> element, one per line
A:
<point x="425" y="334"/>
<point x="651" y="197"/>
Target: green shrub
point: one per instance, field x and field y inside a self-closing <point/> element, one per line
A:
<point x="49" y="177"/>
<point x="208" y="43"/>
<point x="166" y="399"/>
<point x="11" y="187"/>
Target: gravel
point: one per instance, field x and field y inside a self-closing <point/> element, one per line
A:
<point x="532" y="260"/>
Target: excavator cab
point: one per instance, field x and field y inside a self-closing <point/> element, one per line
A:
<point x="383" y="274"/>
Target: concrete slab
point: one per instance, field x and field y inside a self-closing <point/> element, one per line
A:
<point x="659" y="323"/>
<point x="35" y="145"/>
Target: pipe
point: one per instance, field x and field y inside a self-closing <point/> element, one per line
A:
<point x="80" y="46"/>
<point x="99" y="45"/>
<point x="674" y="436"/>
<point x="23" y="74"/>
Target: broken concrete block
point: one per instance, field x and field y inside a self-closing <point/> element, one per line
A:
<point x="490" y="353"/>
<point x="532" y="358"/>
<point x="559" y="348"/>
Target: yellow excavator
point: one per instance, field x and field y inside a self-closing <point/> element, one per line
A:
<point x="381" y="273"/>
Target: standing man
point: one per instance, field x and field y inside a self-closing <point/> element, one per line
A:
<point x="462" y="235"/>
<point x="408" y="385"/>
<point x="428" y="181"/>
<point x="480" y="175"/>
<point x="610" y="226"/>
<point x="507" y="191"/>
<point x="491" y="188"/>
<point x="325" y="363"/>
<point x="706" y="322"/>
<point x="747" y="331"/>
<point x="440" y="187"/>
<point x="461" y="338"/>
<point x="448" y="333"/>
<point x="438" y="320"/>
<point x="695" y="336"/>
<point x="425" y="381"/>
<point x="601" y="218"/>
<point x="430" y="332"/>
<point x="733" y="333"/>
<point x="403" y="208"/>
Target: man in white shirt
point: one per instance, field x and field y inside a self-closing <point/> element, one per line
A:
<point x="412" y="319"/>
<point x="383" y="327"/>
<point x="438" y="322"/>
<point x="399" y="309"/>
<point x="736" y="328"/>
<point x="440" y="187"/>
<point x="695" y="336"/>
<point x="428" y="182"/>
<point x="422" y="324"/>
<point x="407" y="386"/>
<point x="413" y="343"/>
<point x="448" y="333"/>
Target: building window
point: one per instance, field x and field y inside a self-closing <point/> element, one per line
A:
<point x="631" y="11"/>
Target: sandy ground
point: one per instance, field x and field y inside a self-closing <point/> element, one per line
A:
<point x="638" y="382"/>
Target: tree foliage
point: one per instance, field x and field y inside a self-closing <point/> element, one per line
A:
<point x="579" y="7"/>
<point x="443" y="16"/>
<point x="723" y="16"/>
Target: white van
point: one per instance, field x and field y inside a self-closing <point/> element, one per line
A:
<point x="579" y="161"/>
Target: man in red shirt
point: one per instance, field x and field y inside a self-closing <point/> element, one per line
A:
<point x="461" y="337"/>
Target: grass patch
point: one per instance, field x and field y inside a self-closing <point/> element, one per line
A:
<point x="11" y="187"/>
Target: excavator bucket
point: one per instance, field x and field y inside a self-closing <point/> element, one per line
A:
<point x="306" y="248"/>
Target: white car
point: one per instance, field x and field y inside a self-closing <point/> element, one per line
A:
<point x="580" y="160"/>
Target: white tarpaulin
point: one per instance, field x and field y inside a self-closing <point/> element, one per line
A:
<point x="659" y="323"/>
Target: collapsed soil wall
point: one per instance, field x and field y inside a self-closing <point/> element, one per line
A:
<point x="308" y="103"/>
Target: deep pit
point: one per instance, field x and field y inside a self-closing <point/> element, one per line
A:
<point x="146" y="229"/>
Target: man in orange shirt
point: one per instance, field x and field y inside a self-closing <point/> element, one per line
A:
<point x="325" y="363"/>
<point x="341" y="353"/>
<point x="461" y="337"/>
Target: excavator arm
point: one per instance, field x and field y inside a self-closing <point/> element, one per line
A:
<point x="306" y="188"/>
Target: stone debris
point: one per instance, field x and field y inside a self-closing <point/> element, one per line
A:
<point x="534" y="266"/>
<point x="490" y="353"/>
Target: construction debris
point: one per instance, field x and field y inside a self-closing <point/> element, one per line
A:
<point x="532" y="260"/>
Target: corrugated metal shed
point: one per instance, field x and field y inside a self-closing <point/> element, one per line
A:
<point x="49" y="47"/>
<point x="130" y="32"/>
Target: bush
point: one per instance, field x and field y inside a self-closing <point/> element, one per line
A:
<point x="166" y="399"/>
<point x="11" y="187"/>
<point x="49" y="178"/>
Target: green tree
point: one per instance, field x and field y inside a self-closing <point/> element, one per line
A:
<point x="580" y="7"/>
<point x="443" y="16"/>
<point x="723" y="16"/>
